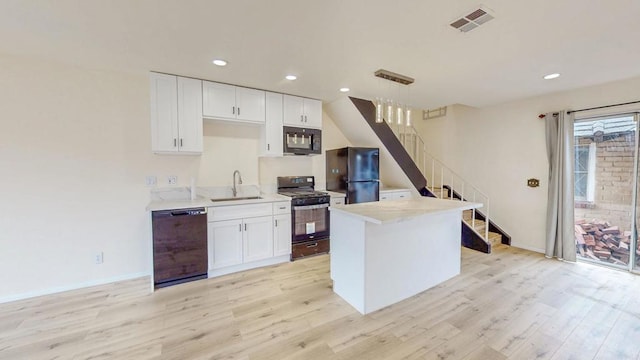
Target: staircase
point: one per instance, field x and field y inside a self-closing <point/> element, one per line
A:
<point x="432" y="178"/>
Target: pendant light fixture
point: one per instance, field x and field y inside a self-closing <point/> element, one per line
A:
<point x="390" y="111"/>
<point x="393" y="112"/>
<point x="379" y="110"/>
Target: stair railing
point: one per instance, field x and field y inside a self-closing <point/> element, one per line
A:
<point x="439" y="175"/>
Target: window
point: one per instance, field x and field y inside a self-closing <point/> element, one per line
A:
<point x="584" y="172"/>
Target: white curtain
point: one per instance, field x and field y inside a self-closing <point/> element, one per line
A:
<point x="560" y="241"/>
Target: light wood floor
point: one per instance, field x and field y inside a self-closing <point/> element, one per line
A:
<point x="512" y="304"/>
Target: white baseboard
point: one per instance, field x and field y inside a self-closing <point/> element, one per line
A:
<point x="58" y="289"/>
<point x="247" y="266"/>
<point x="530" y="248"/>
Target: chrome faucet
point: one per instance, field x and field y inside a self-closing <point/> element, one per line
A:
<point x="235" y="191"/>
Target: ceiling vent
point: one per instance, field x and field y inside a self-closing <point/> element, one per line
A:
<point x="472" y="20"/>
<point x="386" y="74"/>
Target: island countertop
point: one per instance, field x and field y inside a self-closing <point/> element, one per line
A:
<point x="383" y="212"/>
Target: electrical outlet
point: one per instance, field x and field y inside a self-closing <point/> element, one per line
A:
<point x="172" y="179"/>
<point x="99" y="258"/>
<point x="151" y="180"/>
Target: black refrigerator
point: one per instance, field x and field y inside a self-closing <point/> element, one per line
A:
<point x="354" y="171"/>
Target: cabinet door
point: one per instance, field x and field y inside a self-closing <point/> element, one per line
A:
<point x="164" y="113"/>
<point x="272" y="132"/>
<point x="282" y="234"/>
<point x="313" y="113"/>
<point x="190" y="115"/>
<point x="225" y="243"/>
<point x="257" y="238"/>
<point x="250" y="105"/>
<point x="219" y="100"/>
<point x="293" y="111"/>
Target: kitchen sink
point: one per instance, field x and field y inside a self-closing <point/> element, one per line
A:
<point x="237" y="198"/>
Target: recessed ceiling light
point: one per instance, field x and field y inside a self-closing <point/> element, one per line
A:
<point x="290" y="77"/>
<point x="219" y="62"/>
<point x="551" y="76"/>
<point x="344" y="89"/>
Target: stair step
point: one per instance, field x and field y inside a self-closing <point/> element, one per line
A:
<point x="479" y="226"/>
<point x="440" y="192"/>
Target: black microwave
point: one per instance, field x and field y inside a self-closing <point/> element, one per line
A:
<point x="301" y="141"/>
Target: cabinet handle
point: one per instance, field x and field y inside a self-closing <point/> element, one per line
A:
<point x="233" y="110"/>
<point x="180" y="142"/>
<point x="245" y="227"/>
<point x="175" y="142"/>
<point x="301" y="118"/>
<point x="276" y="222"/>
<point x="282" y="207"/>
<point x="268" y="146"/>
<point x="238" y="111"/>
<point x="240" y="227"/>
<point x="312" y="245"/>
<point x="305" y="119"/>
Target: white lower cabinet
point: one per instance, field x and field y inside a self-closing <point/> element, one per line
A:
<point x="242" y="237"/>
<point x="257" y="239"/>
<point x="225" y="243"/>
<point x="281" y="234"/>
<point x="400" y="194"/>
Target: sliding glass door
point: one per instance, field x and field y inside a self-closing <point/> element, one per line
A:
<point x="605" y="190"/>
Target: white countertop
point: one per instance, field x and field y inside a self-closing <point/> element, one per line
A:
<point x="180" y="198"/>
<point x="392" y="189"/>
<point x="334" y="194"/>
<point x="382" y="212"/>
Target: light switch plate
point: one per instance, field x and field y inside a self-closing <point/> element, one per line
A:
<point x="151" y="180"/>
<point x="172" y="179"/>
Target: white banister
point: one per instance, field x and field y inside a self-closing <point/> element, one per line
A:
<point x="416" y="148"/>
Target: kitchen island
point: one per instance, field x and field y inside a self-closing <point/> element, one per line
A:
<point x="385" y="252"/>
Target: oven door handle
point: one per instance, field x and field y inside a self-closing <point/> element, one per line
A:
<point x="311" y="207"/>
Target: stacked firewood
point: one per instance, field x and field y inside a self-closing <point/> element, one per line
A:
<point x="601" y="241"/>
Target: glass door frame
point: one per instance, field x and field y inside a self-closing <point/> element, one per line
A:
<point x="635" y="202"/>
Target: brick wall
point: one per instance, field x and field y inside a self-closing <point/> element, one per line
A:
<point x="613" y="182"/>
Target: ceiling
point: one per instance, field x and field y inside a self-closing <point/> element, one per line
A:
<point x="330" y="44"/>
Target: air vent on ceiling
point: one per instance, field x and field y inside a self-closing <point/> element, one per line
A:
<point x="472" y="20"/>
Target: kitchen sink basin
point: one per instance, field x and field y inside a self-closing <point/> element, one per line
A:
<point x="237" y="198"/>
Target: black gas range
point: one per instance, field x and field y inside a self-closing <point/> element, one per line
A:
<point x="309" y="215"/>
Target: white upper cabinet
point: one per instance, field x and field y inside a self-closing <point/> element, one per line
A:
<point x="271" y="137"/>
<point x="228" y="102"/>
<point x="302" y="112"/>
<point x="190" y="115"/>
<point x="176" y="114"/>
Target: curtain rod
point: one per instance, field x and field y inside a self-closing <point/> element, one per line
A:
<point x="604" y="107"/>
<point x="542" y="116"/>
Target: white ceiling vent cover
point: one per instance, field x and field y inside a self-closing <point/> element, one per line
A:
<point x="472" y="20"/>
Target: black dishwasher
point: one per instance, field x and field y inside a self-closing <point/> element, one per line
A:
<point x="179" y="246"/>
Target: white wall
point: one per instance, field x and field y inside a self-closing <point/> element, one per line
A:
<point x="499" y="147"/>
<point x="74" y="154"/>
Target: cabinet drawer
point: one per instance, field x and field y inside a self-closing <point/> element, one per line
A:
<point x="337" y="201"/>
<point x="283" y="207"/>
<point x="309" y="248"/>
<point x="217" y="213"/>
